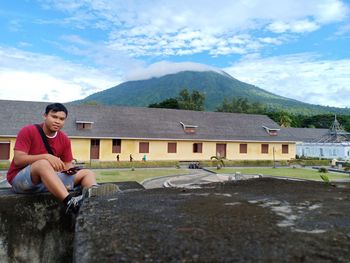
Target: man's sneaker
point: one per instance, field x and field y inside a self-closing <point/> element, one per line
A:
<point x="101" y="190"/>
<point x="74" y="204"/>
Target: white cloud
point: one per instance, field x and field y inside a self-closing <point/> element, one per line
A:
<point x="299" y="26"/>
<point x="304" y="77"/>
<point x="330" y="11"/>
<point x="30" y="76"/>
<point x="185" y="27"/>
<point x="165" y="67"/>
<point x="19" y="85"/>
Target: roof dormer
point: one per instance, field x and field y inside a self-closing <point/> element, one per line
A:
<point x="189" y="129"/>
<point x="84" y="125"/>
<point x="271" y="131"/>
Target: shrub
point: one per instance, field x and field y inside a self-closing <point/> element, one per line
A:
<point x="135" y="164"/>
<point x="309" y="162"/>
<point x="323" y="170"/>
<point x="4" y="165"/>
<point x="233" y="163"/>
<point x="325" y="178"/>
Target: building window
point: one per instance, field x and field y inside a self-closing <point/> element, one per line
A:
<point x="144" y="147"/>
<point x="243" y="148"/>
<point x="189" y="129"/>
<point x="116" y="145"/>
<point x="285" y="148"/>
<point x="84" y="125"/>
<point x="321" y="152"/>
<point x="264" y="148"/>
<point x="171" y="147"/>
<point x="197" y="147"/>
<point x="271" y="131"/>
<point x="95" y="142"/>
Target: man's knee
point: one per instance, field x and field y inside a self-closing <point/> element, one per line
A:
<point x="87" y="172"/>
<point x="84" y="173"/>
<point x="41" y="164"/>
<point x="41" y="168"/>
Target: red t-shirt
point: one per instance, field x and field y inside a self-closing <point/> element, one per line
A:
<point x="29" y="141"/>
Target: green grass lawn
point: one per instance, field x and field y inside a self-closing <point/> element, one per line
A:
<point x="286" y="172"/>
<point x="137" y="175"/>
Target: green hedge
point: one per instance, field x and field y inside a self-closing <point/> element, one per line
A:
<point x="134" y="164"/>
<point x="243" y="163"/>
<point x="4" y="165"/>
<point x="310" y="162"/>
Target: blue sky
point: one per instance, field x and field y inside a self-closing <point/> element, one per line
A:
<point x="63" y="50"/>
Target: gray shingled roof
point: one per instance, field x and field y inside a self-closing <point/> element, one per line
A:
<point x="145" y="123"/>
<point x="306" y="134"/>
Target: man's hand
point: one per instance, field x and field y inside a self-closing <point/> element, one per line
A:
<point x="55" y="162"/>
<point x="23" y="159"/>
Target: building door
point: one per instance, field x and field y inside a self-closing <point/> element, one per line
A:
<point x="95" y="149"/>
<point x="4" y="151"/>
<point x="221" y="150"/>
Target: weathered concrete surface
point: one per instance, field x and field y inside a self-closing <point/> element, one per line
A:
<point x="34" y="228"/>
<point x="259" y="220"/>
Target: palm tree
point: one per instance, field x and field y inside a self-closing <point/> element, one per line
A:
<point x="218" y="161"/>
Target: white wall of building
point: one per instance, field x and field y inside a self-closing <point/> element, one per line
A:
<point x="324" y="150"/>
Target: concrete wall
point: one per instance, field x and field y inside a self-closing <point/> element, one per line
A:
<point x="34" y="228"/>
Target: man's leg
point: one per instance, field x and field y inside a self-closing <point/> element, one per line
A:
<point x="42" y="171"/>
<point x="86" y="178"/>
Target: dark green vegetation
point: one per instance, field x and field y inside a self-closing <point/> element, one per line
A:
<point x="215" y="86"/>
<point x="185" y="101"/>
<point x="324" y="121"/>
<point x="196" y="100"/>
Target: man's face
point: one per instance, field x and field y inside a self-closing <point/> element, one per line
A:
<point x="54" y="121"/>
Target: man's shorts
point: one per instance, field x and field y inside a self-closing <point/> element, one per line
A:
<point x="22" y="183"/>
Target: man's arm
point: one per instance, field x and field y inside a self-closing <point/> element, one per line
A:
<point x="23" y="159"/>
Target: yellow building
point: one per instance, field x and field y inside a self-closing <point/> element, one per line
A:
<point x="103" y="133"/>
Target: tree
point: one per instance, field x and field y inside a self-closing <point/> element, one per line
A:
<point x="241" y="105"/>
<point x="194" y="101"/>
<point x="218" y="161"/>
<point x="185" y="101"/>
<point x="170" y="103"/>
<point x="285" y="120"/>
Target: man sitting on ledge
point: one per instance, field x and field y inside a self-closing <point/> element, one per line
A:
<point x="33" y="169"/>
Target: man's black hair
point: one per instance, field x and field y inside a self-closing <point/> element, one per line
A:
<point x="55" y="107"/>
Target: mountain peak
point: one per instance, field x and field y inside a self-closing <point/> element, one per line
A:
<point x="215" y="84"/>
<point x="164" y="68"/>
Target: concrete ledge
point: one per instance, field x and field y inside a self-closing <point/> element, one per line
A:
<point x="258" y="220"/>
<point x="34" y="228"/>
